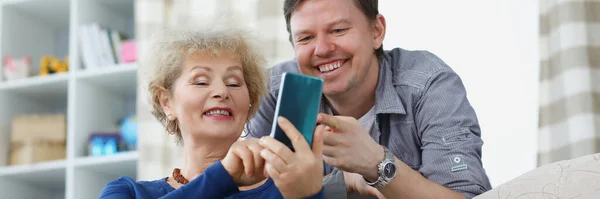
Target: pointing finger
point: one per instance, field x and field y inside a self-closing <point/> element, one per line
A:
<point x="330" y="121"/>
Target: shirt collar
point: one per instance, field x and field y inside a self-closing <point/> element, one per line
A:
<point x="387" y="100"/>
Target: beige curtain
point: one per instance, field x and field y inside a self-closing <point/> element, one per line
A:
<point x="158" y="152"/>
<point x="569" y="110"/>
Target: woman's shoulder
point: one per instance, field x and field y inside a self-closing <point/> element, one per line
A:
<point x="126" y="186"/>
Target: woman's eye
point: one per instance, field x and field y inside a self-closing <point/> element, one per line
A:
<point x="233" y="85"/>
<point x="201" y="83"/>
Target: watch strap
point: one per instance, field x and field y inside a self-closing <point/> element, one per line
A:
<point x="381" y="179"/>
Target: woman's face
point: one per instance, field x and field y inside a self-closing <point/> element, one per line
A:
<point x="210" y="98"/>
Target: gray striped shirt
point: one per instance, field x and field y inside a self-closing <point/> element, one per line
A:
<point x="433" y="128"/>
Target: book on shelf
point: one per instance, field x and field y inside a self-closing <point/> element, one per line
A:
<point x="100" y="46"/>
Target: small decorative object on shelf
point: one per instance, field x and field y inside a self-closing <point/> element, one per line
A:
<point x="102" y="144"/>
<point x="16" y="68"/>
<point x="129" y="51"/>
<point x="51" y="65"/>
<point x="129" y="133"/>
<point x="38" y="138"/>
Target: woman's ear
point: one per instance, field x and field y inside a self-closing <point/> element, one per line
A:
<point x="165" y="101"/>
<point x="379" y="31"/>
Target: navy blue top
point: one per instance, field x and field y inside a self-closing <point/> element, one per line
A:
<point x="215" y="182"/>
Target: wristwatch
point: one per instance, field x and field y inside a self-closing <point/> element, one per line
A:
<point x="386" y="170"/>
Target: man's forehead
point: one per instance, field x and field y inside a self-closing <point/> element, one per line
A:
<point x="323" y="12"/>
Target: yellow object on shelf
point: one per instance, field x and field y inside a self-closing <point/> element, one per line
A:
<point x="49" y="65"/>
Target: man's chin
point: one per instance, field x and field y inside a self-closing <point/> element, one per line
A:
<point x="334" y="91"/>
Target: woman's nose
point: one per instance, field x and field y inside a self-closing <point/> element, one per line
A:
<point x="220" y="92"/>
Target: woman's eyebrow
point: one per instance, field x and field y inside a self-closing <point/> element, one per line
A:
<point x="202" y="67"/>
<point x="235" y="67"/>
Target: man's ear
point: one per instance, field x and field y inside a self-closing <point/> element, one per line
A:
<point x="378" y="31"/>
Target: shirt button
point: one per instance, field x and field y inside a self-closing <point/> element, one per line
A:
<point x="456" y="159"/>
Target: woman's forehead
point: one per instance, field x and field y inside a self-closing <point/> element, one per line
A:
<point x="212" y="61"/>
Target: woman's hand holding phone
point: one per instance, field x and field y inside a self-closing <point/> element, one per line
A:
<point x="296" y="174"/>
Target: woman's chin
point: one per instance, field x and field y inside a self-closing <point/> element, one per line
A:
<point x="217" y="133"/>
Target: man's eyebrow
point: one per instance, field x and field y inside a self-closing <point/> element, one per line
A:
<point x="340" y="21"/>
<point x="333" y="23"/>
<point x="301" y="32"/>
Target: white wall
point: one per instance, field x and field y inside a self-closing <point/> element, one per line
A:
<point x="493" y="46"/>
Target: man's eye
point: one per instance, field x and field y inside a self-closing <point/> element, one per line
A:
<point x="340" y="30"/>
<point x="304" y="39"/>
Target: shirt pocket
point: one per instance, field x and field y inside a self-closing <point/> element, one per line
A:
<point x="405" y="143"/>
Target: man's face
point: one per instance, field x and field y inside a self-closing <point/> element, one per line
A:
<point x="335" y="41"/>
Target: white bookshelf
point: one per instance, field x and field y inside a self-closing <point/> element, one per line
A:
<point x="93" y="98"/>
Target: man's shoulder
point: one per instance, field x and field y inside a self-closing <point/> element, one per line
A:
<point x="414" y="67"/>
<point x="275" y="72"/>
<point x="285" y="66"/>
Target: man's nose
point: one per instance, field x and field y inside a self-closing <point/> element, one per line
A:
<point x="324" y="47"/>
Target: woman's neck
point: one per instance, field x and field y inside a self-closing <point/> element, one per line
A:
<point x="199" y="157"/>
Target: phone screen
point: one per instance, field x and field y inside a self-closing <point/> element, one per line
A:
<point x="298" y="101"/>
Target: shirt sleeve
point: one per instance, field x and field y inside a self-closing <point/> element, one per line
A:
<point x="118" y="189"/>
<point x="335" y="186"/>
<point x="450" y="136"/>
<point x="319" y="195"/>
<point x="215" y="182"/>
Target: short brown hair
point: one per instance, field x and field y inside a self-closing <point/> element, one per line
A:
<point x="174" y="44"/>
<point x="369" y="8"/>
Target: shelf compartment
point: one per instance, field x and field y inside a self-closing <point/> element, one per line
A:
<point x="38" y="95"/>
<point x="120" y="79"/>
<point x="110" y="93"/>
<point x="40" y="180"/>
<point x="95" y="172"/>
<point x="35" y="28"/>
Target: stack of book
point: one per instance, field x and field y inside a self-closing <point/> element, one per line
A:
<point x="100" y="46"/>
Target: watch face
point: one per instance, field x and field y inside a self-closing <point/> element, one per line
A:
<point x="389" y="170"/>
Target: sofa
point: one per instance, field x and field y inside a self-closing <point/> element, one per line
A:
<point x="577" y="178"/>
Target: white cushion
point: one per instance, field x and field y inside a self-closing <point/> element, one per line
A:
<point x="576" y="178"/>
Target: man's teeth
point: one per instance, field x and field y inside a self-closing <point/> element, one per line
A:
<point x="329" y="67"/>
<point x="218" y="112"/>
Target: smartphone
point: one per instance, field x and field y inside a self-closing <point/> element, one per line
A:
<point x="298" y="101"/>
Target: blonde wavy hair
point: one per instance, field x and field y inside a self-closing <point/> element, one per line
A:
<point x="173" y="45"/>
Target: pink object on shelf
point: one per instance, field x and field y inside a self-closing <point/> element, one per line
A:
<point x="129" y="51"/>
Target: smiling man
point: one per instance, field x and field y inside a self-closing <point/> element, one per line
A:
<point x="399" y="123"/>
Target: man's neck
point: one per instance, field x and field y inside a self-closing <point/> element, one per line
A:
<point x="360" y="99"/>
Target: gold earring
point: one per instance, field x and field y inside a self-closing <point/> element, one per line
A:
<point x="170" y="117"/>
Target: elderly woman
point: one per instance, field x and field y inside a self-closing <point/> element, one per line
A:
<point x="207" y="82"/>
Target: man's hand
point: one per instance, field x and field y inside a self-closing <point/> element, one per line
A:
<point x="349" y="147"/>
<point x="243" y="162"/>
<point x="356" y="183"/>
<point x="296" y="174"/>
